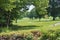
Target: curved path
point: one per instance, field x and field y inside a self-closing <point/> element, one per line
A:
<point x="56" y="24"/>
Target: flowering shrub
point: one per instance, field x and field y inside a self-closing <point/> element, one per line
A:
<point x="33" y="35"/>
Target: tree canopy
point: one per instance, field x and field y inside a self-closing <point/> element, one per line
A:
<point x="10" y="9"/>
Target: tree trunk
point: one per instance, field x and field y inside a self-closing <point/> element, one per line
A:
<point x="8" y="19"/>
<point x="54" y="18"/>
<point x="16" y="20"/>
<point x="39" y="19"/>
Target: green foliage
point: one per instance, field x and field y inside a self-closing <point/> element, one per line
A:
<point x="29" y="37"/>
<point x="41" y="6"/>
<point x="54" y="9"/>
<point x="7" y="5"/>
<point x="50" y="35"/>
<point x="6" y="11"/>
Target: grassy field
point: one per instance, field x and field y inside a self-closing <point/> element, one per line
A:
<point x="27" y="25"/>
<point x="37" y="25"/>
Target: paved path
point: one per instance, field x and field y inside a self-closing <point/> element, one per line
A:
<point x="56" y="24"/>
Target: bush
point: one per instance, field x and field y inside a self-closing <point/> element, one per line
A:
<point x="50" y="35"/>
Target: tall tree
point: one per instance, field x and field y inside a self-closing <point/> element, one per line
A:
<point x="41" y="6"/>
<point x="54" y="8"/>
<point x="7" y="6"/>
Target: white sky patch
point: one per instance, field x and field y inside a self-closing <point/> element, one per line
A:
<point x="22" y="9"/>
<point x="31" y="7"/>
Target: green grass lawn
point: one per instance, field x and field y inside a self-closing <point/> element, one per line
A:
<point x="31" y="25"/>
<point x="38" y="25"/>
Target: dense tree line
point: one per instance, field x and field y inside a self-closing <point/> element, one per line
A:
<point x="10" y="10"/>
<point x="54" y="8"/>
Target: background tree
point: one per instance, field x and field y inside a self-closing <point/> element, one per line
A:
<point x="41" y="6"/>
<point x="54" y="9"/>
<point x="6" y="8"/>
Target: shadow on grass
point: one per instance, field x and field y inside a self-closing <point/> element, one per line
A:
<point x="15" y="28"/>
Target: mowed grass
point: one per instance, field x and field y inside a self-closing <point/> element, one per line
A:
<point x="27" y="25"/>
<point x="38" y="25"/>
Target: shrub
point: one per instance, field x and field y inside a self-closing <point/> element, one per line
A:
<point x="49" y="35"/>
